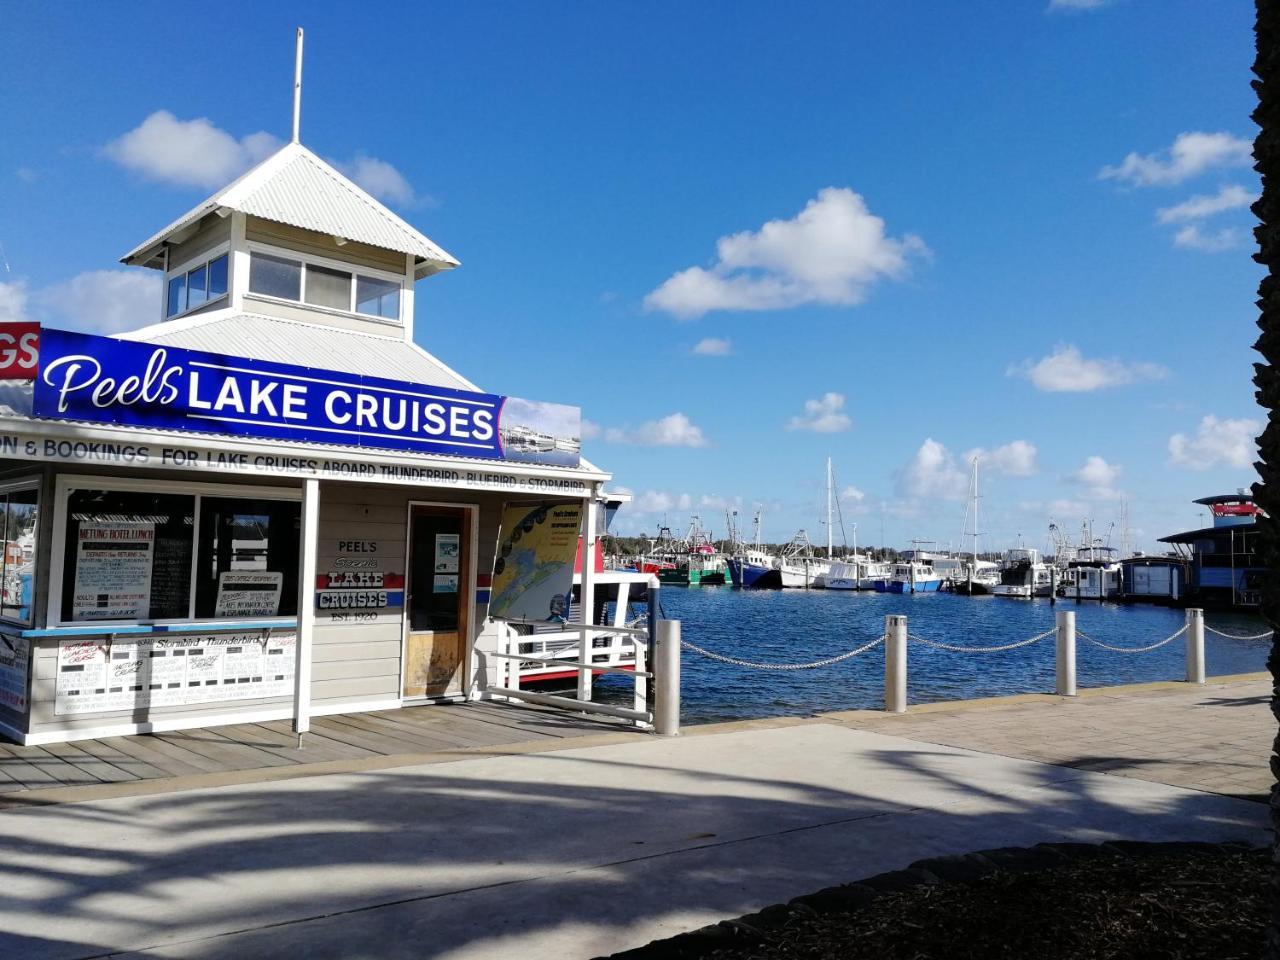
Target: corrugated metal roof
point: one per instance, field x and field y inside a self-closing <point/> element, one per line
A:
<point x="307" y="345"/>
<point x="295" y="187"/>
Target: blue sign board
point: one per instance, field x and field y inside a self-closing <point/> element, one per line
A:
<point x="127" y="383"/>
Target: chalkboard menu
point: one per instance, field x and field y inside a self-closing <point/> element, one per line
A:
<point x="171" y="577"/>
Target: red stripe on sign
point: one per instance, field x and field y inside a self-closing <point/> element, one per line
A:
<point x="484" y="580"/>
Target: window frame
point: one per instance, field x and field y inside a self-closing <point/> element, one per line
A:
<point x="329" y="263"/>
<point x="190" y="266"/>
<point x="58" y="565"/>
<point x="31" y="482"/>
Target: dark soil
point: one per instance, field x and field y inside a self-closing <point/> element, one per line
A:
<point x="1056" y="901"/>
<point x="1209" y="904"/>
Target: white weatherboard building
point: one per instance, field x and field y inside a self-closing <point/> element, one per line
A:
<point x="272" y="503"/>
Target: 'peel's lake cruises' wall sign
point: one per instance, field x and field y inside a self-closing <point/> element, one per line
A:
<point x="122" y="382"/>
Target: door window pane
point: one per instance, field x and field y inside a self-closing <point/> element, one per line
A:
<point x="328" y="288"/>
<point x="127" y="556"/>
<point x="378" y="298"/>
<point x="218" y="277"/>
<point x="247" y="559"/>
<point x="436" y="575"/>
<point x="275" y="276"/>
<point x="177" y="299"/>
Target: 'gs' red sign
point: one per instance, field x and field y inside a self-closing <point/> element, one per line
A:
<point x="19" y="350"/>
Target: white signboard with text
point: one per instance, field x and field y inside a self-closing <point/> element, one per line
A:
<point x="97" y="676"/>
<point x="113" y="571"/>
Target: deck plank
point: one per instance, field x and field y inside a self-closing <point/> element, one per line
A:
<point x="317" y="738"/>
<point x="383" y="741"/>
<point x="100" y="770"/>
<point x="229" y="756"/>
<point x="24" y="765"/>
<point x="422" y="740"/>
<point x="149" y="760"/>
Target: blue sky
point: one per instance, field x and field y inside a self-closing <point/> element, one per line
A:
<point x="1013" y="227"/>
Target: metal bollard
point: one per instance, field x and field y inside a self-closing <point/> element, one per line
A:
<point x="1065" y="653"/>
<point x="1195" y="645"/>
<point x="895" y="664"/>
<point x="666" y="680"/>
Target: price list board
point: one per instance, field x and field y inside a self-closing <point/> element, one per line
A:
<point x="97" y="676"/>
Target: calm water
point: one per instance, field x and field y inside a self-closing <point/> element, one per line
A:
<point x="794" y="626"/>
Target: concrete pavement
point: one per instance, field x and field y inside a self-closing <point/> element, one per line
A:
<point x="564" y="853"/>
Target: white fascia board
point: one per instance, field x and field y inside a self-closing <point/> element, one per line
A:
<point x="69" y="430"/>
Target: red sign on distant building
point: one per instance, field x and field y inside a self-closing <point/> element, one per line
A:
<point x="19" y="350"/>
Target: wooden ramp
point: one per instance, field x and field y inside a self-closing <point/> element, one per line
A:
<point x="344" y="738"/>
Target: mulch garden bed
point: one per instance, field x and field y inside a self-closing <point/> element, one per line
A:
<point x="1166" y="901"/>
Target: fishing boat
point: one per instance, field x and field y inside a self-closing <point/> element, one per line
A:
<point x="798" y="567"/>
<point x="968" y="575"/>
<point x="1092" y="570"/>
<point x="1023" y="575"/>
<point x="915" y="573"/>
<point x="750" y="566"/>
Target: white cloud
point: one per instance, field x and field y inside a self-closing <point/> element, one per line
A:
<point x="1077" y="4"/>
<point x="27" y="174"/>
<point x="1068" y="508"/>
<point x="197" y="153"/>
<point x="675" y="430"/>
<point x="1190" y="154"/>
<point x="1066" y="370"/>
<point x="190" y="153"/>
<point x="103" y="301"/>
<point x="1016" y="459"/>
<point x="1192" y="238"/>
<point x="13" y="300"/>
<point x="381" y="180"/>
<point x="825" y="415"/>
<point x="1228" y="443"/>
<point x="590" y="430"/>
<point x="1098" y="478"/>
<point x="1231" y="197"/>
<point x="852" y="495"/>
<point x="713" y="347"/>
<point x="932" y="472"/>
<point x="831" y="252"/>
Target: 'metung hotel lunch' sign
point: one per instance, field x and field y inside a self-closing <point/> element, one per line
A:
<point x="104" y="380"/>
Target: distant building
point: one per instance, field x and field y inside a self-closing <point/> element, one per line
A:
<point x="1225" y="568"/>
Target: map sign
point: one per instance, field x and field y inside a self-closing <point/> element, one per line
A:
<point x="533" y="572"/>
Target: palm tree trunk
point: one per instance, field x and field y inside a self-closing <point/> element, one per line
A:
<point x="1266" y="153"/>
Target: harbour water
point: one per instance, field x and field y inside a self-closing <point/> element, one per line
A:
<point x="795" y="626"/>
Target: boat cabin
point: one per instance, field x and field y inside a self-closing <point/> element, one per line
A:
<point x="1226" y="570"/>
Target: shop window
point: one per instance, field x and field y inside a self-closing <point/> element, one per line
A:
<point x="199" y="285"/>
<point x="275" y="276"/>
<point x="19" y="516"/>
<point x="127" y="556"/>
<point x="247" y="558"/>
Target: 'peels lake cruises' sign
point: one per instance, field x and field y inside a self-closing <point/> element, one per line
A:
<point x="121" y="382"/>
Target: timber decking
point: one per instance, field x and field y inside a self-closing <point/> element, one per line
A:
<point x="253" y="746"/>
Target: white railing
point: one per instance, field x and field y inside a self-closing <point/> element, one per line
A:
<point x="587" y="650"/>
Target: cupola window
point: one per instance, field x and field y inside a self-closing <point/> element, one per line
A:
<point x="199" y="284"/>
<point x="303" y="281"/>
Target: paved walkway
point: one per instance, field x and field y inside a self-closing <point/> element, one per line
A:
<point x="1215" y="738"/>
<point x="569" y="849"/>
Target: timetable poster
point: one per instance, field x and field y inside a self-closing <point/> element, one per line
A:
<point x="246" y="593"/>
<point x="113" y="570"/>
<point x="96" y="677"/>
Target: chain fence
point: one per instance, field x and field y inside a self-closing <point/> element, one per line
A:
<point x="1149" y="647"/>
<point x="1238" y="636"/>
<point x="752" y="665"/>
<point x="953" y="648"/>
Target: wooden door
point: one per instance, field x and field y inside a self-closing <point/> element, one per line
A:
<point x="436" y="602"/>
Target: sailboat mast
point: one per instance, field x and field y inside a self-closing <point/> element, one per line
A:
<point x="975" y="511"/>
<point x="830" y="532"/>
